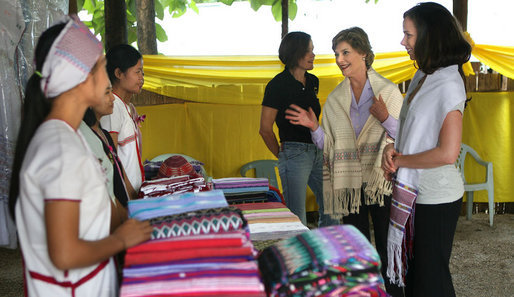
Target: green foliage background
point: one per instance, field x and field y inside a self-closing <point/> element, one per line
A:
<point x="175" y="8"/>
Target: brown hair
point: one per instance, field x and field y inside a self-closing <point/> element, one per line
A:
<point x="358" y="39"/>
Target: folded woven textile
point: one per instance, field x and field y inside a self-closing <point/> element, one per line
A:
<point x="237" y="286"/>
<point x="143" y="271"/>
<point x="144" y="209"/>
<point x="239" y="182"/>
<point x="206" y="221"/>
<point x="229" y="239"/>
<point x="172" y="185"/>
<point x="260" y="206"/>
<point x="271" y="220"/>
<point x="163" y="256"/>
<point x="322" y="261"/>
<point x="246" y="197"/>
<point x="241" y="185"/>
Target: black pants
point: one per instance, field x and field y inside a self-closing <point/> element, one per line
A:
<point x="428" y="273"/>
<point x="380" y="219"/>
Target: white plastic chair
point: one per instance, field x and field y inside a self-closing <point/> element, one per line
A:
<point x="263" y="168"/>
<point x="470" y="188"/>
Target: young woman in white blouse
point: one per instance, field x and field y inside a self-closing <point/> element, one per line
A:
<point x="125" y="70"/>
<point x="428" y="189"/>
<point x="58" y="191"/>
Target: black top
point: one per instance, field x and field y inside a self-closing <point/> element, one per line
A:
<point x="284" y="90"/>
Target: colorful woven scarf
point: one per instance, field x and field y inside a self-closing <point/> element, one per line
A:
<point x="400" y="237"/>
<point x="320" y="262"/>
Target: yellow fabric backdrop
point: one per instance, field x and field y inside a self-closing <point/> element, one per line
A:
<point x="488" y="128"/>
<point x="242" y="79"/>
<point x="225" y="136"/>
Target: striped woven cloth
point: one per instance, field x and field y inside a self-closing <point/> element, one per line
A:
<point x="329" y="261"/>
<point x="205" y="221"/>
<point x="271" y="221"/>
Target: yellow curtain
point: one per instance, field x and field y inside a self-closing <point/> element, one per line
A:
<point x="488" y="128"/>
<point x="242" y="79"/>
<point x="225" y="136"/>
<point x="499" y="58"/>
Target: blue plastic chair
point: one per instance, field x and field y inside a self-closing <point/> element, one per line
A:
<point x="488" y="185"/>
<point x="263" y="168"/>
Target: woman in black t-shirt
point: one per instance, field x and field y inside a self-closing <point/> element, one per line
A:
<point x="300" y="161"/>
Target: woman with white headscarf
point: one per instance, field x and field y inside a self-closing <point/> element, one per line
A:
<point x="58" y="191"/>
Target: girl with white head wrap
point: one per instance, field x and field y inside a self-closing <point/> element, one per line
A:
<point x="58" y="192"/>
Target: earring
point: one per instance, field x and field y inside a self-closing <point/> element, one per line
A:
<point x="363" y="58"/>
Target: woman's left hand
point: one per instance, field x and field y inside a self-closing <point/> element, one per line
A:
<point x="379" y="109"/>
<point x="388" y="161"/>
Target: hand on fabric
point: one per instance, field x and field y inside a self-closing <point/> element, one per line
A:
<point x="299" y="116"/>
<point x="133" y="232"/>
<point x="388" y="157"/>
<point x="379" y="109"/>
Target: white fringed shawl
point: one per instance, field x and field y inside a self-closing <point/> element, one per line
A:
<point x="349" y="162"/>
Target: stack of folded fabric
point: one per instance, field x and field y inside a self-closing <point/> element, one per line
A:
<point x="172" y="185"/>
<point x="329" y="261"/>
<point x="271" y="221"/>
<point x="243" y="189"/>
<point x="199" y="247"/>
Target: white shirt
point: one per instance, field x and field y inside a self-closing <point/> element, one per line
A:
<point x="420" y="124"/>
<point x="121" y="122"/>
<point x="96" y="146"/>
<point x="59" y="166"/>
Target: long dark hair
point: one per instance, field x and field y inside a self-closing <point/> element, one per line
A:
<point x="439" y="41"/>
<point x="89" y="117"/>
<point x="293" y="47"/>
<point x="34" y="110"/>
<point x="122" y="56"/>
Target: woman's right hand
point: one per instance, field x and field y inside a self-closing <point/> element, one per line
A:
<point x="133" y="232"/>
<point x="299" y="116"/>
<point x="387" y="161"/>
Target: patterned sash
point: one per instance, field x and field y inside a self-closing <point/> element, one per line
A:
<point x="401" y="231"/>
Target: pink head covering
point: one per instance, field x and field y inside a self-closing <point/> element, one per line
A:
<point x="70" y="59"/>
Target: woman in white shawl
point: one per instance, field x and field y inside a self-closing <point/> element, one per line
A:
<point x="359" y="118"/>
<point x="427" y="193"/>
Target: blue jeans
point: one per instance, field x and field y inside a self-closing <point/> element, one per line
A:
<point x="301" y="164"/>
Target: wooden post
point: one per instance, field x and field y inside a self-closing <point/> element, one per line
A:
<point x="72" y="8"/>
<point x="146" y="35"/>
<point x="115" y="23"/>
<point x="285" y="17"/>
<point x="460" y="11"/>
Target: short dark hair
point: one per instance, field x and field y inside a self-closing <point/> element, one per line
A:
<point x="122" y="56"/>
<point x="293" y="47"/>
<point x="358" y="40"/>
<point x="439" y="41"/>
